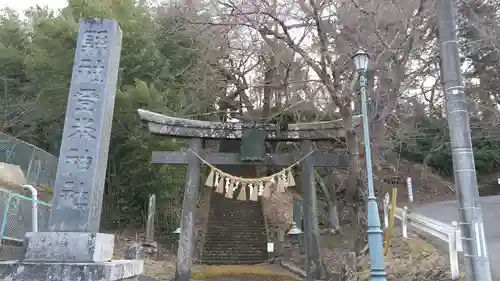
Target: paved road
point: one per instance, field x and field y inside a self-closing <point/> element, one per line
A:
<point x="447" y="212"/>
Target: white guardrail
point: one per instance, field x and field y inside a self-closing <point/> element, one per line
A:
<point x="446" y="232"/>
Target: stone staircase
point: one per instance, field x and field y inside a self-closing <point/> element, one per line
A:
<point x="236" y="232"/>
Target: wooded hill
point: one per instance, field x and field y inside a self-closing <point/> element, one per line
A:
<point x="207" y="61"/>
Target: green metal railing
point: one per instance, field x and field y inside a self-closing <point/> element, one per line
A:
<point x="38" y="165"/>
<point x="16" y="215"/>
<point x="39" y="168"/>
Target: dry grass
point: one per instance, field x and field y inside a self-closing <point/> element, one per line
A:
<point x="413" y="259"/>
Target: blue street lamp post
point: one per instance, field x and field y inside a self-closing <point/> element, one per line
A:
<point x="375" y="244"/>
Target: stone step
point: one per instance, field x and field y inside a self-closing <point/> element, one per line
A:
<point x="235" y="255"/>
<point x="243" y="249"/>
<point x="223" y="253"/>
<point x="224" y="206"/>
<point x="236" y="260"/>
<point x="221" y="198"/>
<point x="232" y="262"/>
<point x="235" y="210"/>
<point x="230" y="214"/>
<point x="240" y="231"/>
<point x="237" y="247"/>
<point x="237" y="229"/>
<point x="236" y="243"/>
<point x="246" y="217"/>
<point x="234" y="240"/>
<point x="234" y="234"/>
<point x="233" y="203"/>
<point x="234" y="226"/>
<point x="237" y="232"/>
<point x="237" y="220"/>
<point x="238" y="210"/>
<point x="233" y="222"/>
<point x="240" y="255"/>
<point x="232" y="245"/>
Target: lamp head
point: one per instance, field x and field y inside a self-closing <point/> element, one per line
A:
<point x="294" y="230"/>
<point x="361" y="59"/>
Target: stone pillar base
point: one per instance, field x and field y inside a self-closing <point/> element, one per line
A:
<point x="68" y="247"/>
<point x="123" y="270"/>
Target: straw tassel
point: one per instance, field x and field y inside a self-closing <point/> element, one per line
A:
<point x="291" y="180"/>
<point x="210" y="179"/>
<point x="285" y="180"/>
<point x="243" y="192"/>
<point x="281" y="184"/>
<point x="217" y="179"/>
<point x="254" y="194"/>
<point x="229" y="191"/>
<point x="220" y="186"/>
<point x="261" y="189"/>
<point x="267" y="190"/>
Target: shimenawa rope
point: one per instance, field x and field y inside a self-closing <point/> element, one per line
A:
<point x="250" y="180"/>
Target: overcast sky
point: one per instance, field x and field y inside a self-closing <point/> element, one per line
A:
<point x="21" y="5"/>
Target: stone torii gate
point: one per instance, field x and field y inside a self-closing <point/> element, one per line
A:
<point x="197" y="131"/>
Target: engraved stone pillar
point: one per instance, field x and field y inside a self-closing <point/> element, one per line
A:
<point x="150" y="223"/>
<point x="73" y="249"/>
<point x="83" y="157"/>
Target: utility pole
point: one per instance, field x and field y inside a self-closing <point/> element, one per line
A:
<point x="470" y="216"/>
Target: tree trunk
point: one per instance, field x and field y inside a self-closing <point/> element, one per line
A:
<point x="348" y="270"/>
<point x="333" y="218"/>
<point x="331" y="200"/>
<point x="353" y="188"/>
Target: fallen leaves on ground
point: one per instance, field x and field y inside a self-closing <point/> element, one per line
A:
<point x="250" y="272"/>
<point x="412" y="259"/>
<point x="165" y="270"/>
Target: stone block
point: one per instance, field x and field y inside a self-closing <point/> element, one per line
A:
<point x="68" y="247"/>
<point x="128" y="270"/>
<point x="132" y="252"/>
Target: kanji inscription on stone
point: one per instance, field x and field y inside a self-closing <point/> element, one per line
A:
<point x="79" y="186"/>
